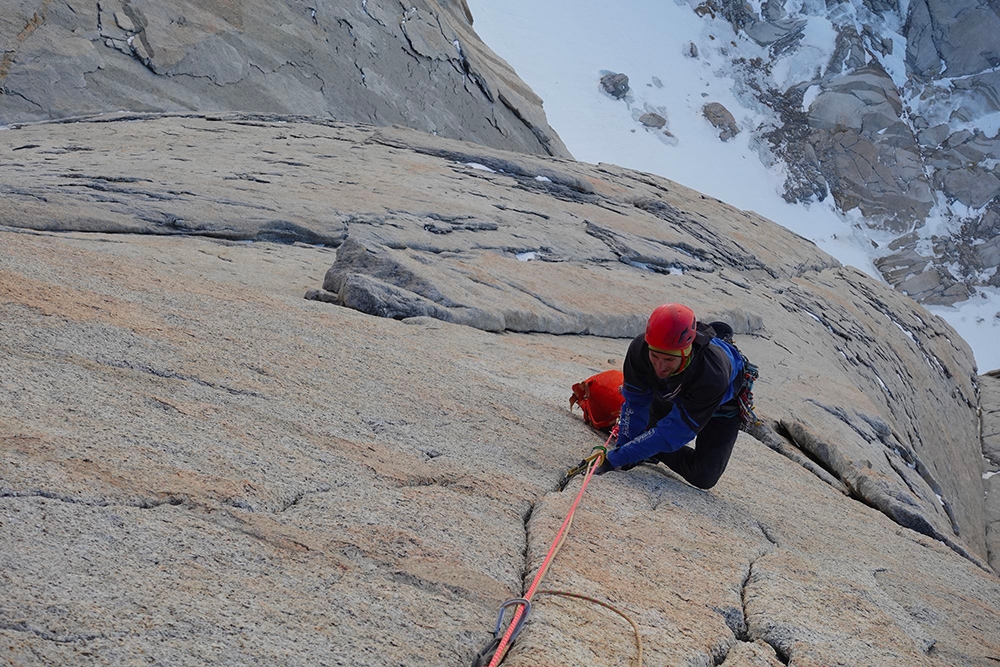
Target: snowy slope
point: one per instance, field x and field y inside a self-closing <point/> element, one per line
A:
<point x="561" y="50"/>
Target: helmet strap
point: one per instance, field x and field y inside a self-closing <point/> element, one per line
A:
<point x="685" y="361"/>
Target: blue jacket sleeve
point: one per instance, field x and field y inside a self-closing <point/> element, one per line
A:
<point x="634" y="414"/>
<point x="670" y="434"/>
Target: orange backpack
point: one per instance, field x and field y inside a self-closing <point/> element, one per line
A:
<point x="600" y="398"/>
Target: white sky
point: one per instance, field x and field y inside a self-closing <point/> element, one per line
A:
<point x="562" y="48"/>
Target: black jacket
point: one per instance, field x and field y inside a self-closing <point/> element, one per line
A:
<point x="679" y="405"/>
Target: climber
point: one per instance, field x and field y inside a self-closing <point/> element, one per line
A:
<point x="682" y="383"/>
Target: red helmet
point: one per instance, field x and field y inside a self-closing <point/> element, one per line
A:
<point x="671" y="328"/>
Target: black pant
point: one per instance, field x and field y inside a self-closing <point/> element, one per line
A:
<point x="703" y="464"/>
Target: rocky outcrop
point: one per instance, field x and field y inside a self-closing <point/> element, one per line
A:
<point x="239" y="474"/>
<point x="867" y="153"/>
<point x="887" y="143"/>
<point x="383" y="62"/>
<point x="953" y="39"/>
<point x="914" y="274"/>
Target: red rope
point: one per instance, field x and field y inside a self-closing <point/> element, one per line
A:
<point x="502" y="646"/>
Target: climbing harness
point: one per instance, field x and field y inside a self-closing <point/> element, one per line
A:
<point x="748" y="418"/>
<point x="494" y="652"/>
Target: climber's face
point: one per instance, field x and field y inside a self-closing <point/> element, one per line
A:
<point x="665" y="365"/>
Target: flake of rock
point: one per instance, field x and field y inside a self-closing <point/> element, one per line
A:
<point x="124" y="22"/>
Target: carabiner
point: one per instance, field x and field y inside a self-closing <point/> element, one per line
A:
<point x="520" y="621"/>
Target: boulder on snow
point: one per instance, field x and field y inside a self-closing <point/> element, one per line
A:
<point x="720" y="117"/>
<point x="615" y="85"/>
<point x="653" y="120"/>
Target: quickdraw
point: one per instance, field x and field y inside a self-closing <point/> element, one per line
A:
<point x="599" y="451"/>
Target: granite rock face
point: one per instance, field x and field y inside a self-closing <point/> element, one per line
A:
<point x="383" y="62"/>
<point x="203" y="466"/>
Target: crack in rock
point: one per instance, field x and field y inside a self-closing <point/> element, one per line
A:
<point x="557" y="181"/>
<point x="737" y="619"/>
<point x="742" y="629"/>
<point x="542" y="137"/>
<point x="8" y="91"/>
<point x="170" y="375"/>
<point x="730" y="252"/>
<point x="419" y="482"/>
<point x="23" y="627"/>
<point x="905" y="516"/>
<point x="767" y="534"/>
<point x="295" y="500"/>
<point x="797" y="305"/>
<point x="143" y="503"/>
<point x="883" y="436"/>
<point x="23" y="193"/>
<point x="525" y="572"/>
<point x="780" y="443"/>
<point x="437" y="587"/>
<point x="104" y="187"/>
<point x="503" y="207"/>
